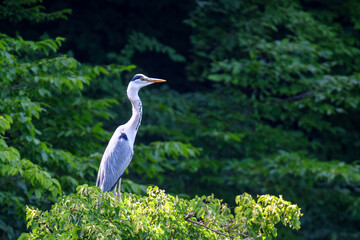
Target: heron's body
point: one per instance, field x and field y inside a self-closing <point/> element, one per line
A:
<point x="116" y="159"/>
<point x="119" y="152"/>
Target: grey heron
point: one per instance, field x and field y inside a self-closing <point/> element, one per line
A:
<point x="119" y="151"/>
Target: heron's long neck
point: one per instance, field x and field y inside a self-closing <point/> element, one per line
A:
<point x="135" y="120"/>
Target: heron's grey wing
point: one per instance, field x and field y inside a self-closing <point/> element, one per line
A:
<point x="115" y="160"/>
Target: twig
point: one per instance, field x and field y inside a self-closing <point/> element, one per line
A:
<point x="186" y="218"/>
<point x="121" y="221"/>
<point x="294" y="98"/>
<point x="16" y="86"/>
<point x="10" y="179"/>
<point x="107" y="218"/>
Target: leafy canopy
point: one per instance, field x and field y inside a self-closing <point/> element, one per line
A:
<point x="92" y="214"/>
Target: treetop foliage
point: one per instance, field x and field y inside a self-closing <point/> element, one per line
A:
<point x="91" y="214"/>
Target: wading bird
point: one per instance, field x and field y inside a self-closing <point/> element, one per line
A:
<point x="119" y="151"/>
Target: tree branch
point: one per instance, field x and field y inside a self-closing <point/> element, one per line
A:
<point x="294" y="98"/>
<point x="186" y="218"/>
<point x="16" y="86"/>
<point x="10" y="179"/>
<point x="121" y="221"/>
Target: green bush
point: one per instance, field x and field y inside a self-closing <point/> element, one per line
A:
<point x="90" y="214"/>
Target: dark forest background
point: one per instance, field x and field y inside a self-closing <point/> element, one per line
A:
<point x="261" y="97"/>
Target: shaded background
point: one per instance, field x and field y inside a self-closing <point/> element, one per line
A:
<point x="261" y="97"/>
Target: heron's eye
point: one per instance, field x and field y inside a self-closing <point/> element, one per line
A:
<point x="142" y="78"/>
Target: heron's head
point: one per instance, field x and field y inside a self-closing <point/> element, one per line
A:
<point x="140" y="80"/>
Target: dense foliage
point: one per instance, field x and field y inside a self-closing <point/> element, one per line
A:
<point x="263" y="97"/>
<point x="45" y="121"/>
<point x="90" y="214"/>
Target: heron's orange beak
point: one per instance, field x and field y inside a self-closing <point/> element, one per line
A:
<point x="155" y="80"/>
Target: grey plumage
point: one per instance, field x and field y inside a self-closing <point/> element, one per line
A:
<point x="116" y="159"/>
<point x="119" y="152"/>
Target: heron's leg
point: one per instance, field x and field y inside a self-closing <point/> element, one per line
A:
<point x="114" y="191"/>
<point x="119" y="190"/>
